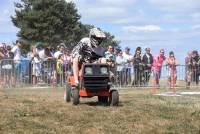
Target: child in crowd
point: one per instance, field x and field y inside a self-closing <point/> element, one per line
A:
<point x="59" y="68"/>
<point x="36" y="68"/>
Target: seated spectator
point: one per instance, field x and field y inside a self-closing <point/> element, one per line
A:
<point x="147" y="60"/>
<point x="171" y="68"/>
<point x="157" y="66"/>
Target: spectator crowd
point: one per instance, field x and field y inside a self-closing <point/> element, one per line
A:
<point x="47" y="64"/>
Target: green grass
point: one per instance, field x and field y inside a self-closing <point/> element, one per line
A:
<point x="44" y="111"/>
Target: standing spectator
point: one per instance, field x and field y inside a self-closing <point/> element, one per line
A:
<point x="120" y="62"/>
<point x="39" y="49"/>
<point x="157" y="66"/>
<point x="59" y="69"/>
<point x="61" y="49"/>
<point x="116" y="51"/>
<point x="17" y="52"/>
<point x="128" y="65"/>
<point x="110" y="59"/>
<point x="48" y="64"/>
<point x="147" y="60"/>
<point x="47" y="54"/>
<point x="7" y="70"/>
<point x="67" y="60"/>
<point x="9" y="53"/>
<point x="171" y="68"/>
<point x="138" y="69"/>
<point x="139" y="50"/>
<point x="188" y="69"/>
<point x="110" y="56"/>
<point x="195" y="61"/>
<point x="17" y="58"/>
<point x="2" y="55"/>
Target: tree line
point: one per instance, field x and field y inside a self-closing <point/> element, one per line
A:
<point x="51" y="22"/>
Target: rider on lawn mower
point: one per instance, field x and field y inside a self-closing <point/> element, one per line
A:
<point x="88" y="50"/>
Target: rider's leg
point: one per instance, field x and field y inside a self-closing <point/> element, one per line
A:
<point x="76" y="69"/>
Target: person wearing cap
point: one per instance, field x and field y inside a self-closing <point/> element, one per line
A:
<point x="88" y="50"/>
<point x="147" y="60"/>
<point x="171" y="68"/>
<point x="128" y="65"/>
<point x="157" y="66"/>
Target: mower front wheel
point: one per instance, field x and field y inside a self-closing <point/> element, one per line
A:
<point x="114" y="98"/>
<point x="67" y="94"/>
<point x="75" y="96"/>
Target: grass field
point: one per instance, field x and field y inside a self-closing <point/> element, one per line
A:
<point x="42" y="111"/>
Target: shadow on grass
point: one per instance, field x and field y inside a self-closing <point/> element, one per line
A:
<point x="100" y="104"/>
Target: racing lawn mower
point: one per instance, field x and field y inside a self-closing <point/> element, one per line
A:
<point x="94" y="81"/>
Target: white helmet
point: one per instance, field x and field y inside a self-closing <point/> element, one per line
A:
<point x="95" y="32"/>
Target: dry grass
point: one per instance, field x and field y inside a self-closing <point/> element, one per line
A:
<point x="35" y="111"/>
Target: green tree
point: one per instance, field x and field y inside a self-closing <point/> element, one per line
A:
<point x="50" y="22"/>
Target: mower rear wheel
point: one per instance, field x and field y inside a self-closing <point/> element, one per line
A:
<point x="67" y="94"/>
<point x="114" y="98"/>
<point x="103" y="99"/>
<point x="75" y="96"/>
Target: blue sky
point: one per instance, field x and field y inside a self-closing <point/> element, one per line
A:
<point x="169" y="24"/>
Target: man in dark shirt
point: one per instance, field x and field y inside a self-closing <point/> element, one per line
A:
<point x="147" y="60"/>
<point x="195" y="65"/>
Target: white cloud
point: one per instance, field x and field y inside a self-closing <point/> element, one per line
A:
<point x="147" y="28"/>
<point x="119" y="3"/>
<point x="102" y="12"/>
<point x="156" y="34"/>
<point x="176" y="5"/>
